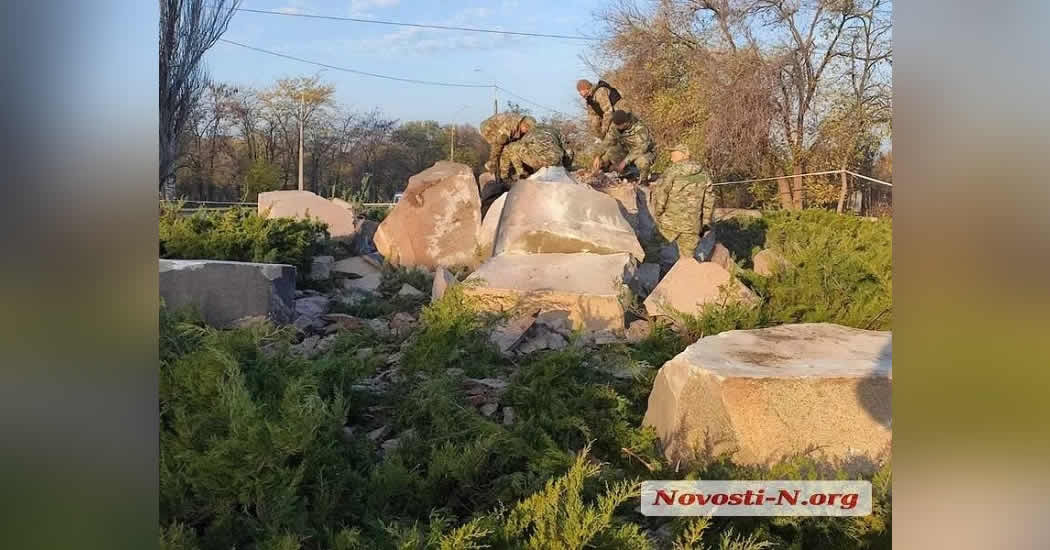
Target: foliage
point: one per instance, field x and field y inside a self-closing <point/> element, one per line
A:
<point x="261" y="177"/>
<point x="240" y="234"/>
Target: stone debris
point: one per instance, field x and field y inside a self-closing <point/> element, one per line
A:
<point x="488" y="409"/>
<point x="378" y="433"/>
<point x="768" y="262"/>
<point x="508" y="416"/>
<point x="312" y="306"/>
<point x="638" y="330"/>
<point x="506" y="335"/>
<point x="344" y="321"/>
<point x="402" y="323"/>
<point x="410" y="291"/>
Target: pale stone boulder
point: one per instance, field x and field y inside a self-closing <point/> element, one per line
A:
<point x="761" y="395"/>
<point x="357" y="265"/>
<point x="436" y="222"/>
<point x="443" y="279"/>
<point x="690" y="285"/>
<point x="226" y="292"/>
<point x="553" y="174"/>
<point x="720" y="255"/>
<point x="634" y="205"/>
<point x="342" y="225"/>
<point x="550" y="217"/>
<point x="587" y="286"/>
<point x="342" y="203"/>
<point x="767" y="262"/>
<point x="489" y="227"/>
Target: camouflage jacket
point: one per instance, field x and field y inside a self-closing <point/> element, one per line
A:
<point x="683" y="197"/>
<point x="600" y="110"/>
<point x="634" y="140"/>
<point x="501" y="129"/>
<point x="543" y="145"/>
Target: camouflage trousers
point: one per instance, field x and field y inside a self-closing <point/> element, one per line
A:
<point x="642" y="164"/>
<point x="525" y="156"/>
<point x="685" y="239"/>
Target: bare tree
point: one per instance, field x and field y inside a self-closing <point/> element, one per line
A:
<point x="188" y="28"/>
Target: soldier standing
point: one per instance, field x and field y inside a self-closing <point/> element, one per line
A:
<point x="500" y="130"/>
<point x="601" y="101"/>
<point x="627" y="143"/>
<point x="682" y="202"/>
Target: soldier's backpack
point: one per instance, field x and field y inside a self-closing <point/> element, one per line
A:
<point x="614" y="94"/>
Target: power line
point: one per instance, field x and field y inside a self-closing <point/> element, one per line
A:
<point x="420" y="25"/>
<point x="355" y="71"/>
<point x="388" y="77"/>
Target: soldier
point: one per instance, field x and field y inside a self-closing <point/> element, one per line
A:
<point x="627" y="143"/>
<point x="682" y="202"/>
<point x="500" y="130"/>
<point x="601" y="102"/>
<point x="541" y="146"/>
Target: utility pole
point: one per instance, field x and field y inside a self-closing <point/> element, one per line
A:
<point x="302" y="112"/>
<point x="495" y="102"/>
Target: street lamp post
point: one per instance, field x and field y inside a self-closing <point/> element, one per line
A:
<point x="302" y="122"/>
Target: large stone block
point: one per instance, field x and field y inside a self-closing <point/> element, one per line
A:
<point x="550" y="217"/>
<point x="342" y="225"/>
<point x="225" y="292"/>
<point x="587" y="286"/>
<point x="436" y="222"/>
<point x="690" y="285"/>
<point x="765" y="394"/>
<point x="634" y="205"/>
<point x="490" y="226"/>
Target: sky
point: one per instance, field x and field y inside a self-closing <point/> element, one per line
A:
<point x="543" y="70"/>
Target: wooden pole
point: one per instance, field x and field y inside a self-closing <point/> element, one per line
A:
<point x="842" y="191"/>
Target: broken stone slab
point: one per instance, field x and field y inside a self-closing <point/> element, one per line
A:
<point x="436" y="222"/>
<point x="224" y="292"/>
<point x="690" y="285"/>
<point x="312" y="306"/>
<point x="488" y="409"/>
<point x="720" y="255"/>
<point x="409" y="291"/>
<point x="634" y="205"/>
<point x="490" y="226"/>
<point x="443" y="279"/>
<point x="638" y="330"/>
<point x="588" y="286"/>
<point x="508" y="416"/>
<point x="554" y="217"/>
<point x="556" y="321"/>
<point x="508" y="333"/>
<point x="541" y="339"/>
<point x="344" y="321"/>
<point x="305" y="323"/>
<point x="768" y="393"/>
<point x="342" y="224"/>
<point x="321" y="268"/>
<point x="768" y="262"/>
<point x="357" y="265"/>
<point x="369" y="284"/>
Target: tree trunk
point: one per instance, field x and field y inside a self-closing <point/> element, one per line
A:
<point x="796" y="191"/>
<point x="842" y="191"/>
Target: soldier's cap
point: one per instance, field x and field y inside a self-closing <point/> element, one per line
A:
<point x="681" y="148"/>
<point x="620" y="117"/>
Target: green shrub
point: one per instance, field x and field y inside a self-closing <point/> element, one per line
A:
<point x="261" y="177"/>
<point x="240" y="234"/>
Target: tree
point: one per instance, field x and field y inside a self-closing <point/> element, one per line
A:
<point x="290" y="104"/>
<point x="757" y="85"/>
<point x="188" y="28"/>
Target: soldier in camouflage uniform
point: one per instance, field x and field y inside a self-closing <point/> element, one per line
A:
<point x="682" y="202"/>
<point x="541" y="146"/>
<point x="500" y="130"/>
<point x="601" y="100"/>
<point x="627" y="143"/>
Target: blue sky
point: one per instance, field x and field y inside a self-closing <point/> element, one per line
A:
<point x="543" y="70"/>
